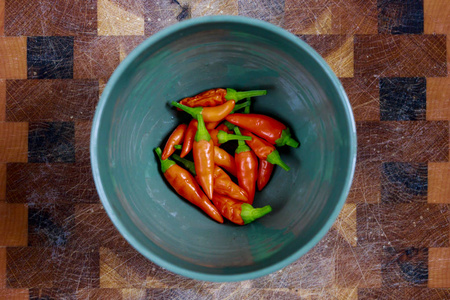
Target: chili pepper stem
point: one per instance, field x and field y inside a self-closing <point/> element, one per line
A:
<point x="247" y="108"/>
<point x="202" y="132"/>
<point x="229" y="125"/>
<point x="189" y="165"/>
<point x="237" y="96"/>
<point x="224" y="137"/>
<point x="275" y="159"/>
<point x="250" y="214"/>
<point x="166" y="163"/>
<point x="245" y="105"/>
<point x="242" y="146"/>
<point x="178" y="147"/>
<point x="286" y="139"/>
<point x="193" y="111"/>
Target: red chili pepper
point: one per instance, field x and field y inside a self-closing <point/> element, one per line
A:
<point x="264" y="150"/>
<point x="216" y="97"/>
<point x="238" y="212"/>
<point x="189" y="138"/>
<point x="225" y="186"/>
<point x="186" y="186"/>
<point x="209" y="114"/>
<point x="175" y="138"/>
<point x="264" y="173"/>
<point x="223" y="159"/>
<point x="222" y="182"/>
<point x="265" y="127"/>
<point x="212" y="97"/>
<point x="246" y="167"/>
<point x="203" y="152"/>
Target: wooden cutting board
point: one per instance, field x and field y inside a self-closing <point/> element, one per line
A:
<point x="391" y="240"/>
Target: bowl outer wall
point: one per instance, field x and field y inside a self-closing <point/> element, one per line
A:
<point x="115" y="214"/>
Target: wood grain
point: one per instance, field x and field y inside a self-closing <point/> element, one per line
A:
<point x="436" y="15"/>
<point x="200" y="8"/>
<point x="403" y="225"/>
<point x="13" y="61"/>
<point x="331" y="16"/>
<point x="13" y="224"/>
<point x="364" y="96"/>
<point x="13" y="142"/>
<point x="118" y="18"/>
<point x="345" y="223"/>
<point x="50" y="17"/>
<point x="418" y="141"/>
<point x="14" y="294"/>
<point x="2" y="100"/>
<point x="2" y="267"/>
<point x="50" y="100"/>
<point x="2" y="17"/>
<point x="439" y="266"/>
<point x="337" y="50"/>
<point x="359" y="266"/>
<point x="2" y="182"/>
<point x="438" y="98"/>
<point x="366" y="183"/>
<point x="403" y="293"/>
<point x="95" y="57"/>
<point x="400" y="55"/>
<point x="43" y="267"/>
<point x="439" y="183"/>
<point x="50" y="183"/>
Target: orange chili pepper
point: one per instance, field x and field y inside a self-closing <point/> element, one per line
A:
<point x="211" y="125"/>
<point x="186" y="186"/>
<point x="264" y="173"/>
<point x="246" y="168"/>
<point x="222" y="182"/>
<point x="225" y="186"/>
<point x="175" y="138"/>
<point x="209" y="114"/>
<point x="238" y="212"/>
<point x="203" y="152"/>
<point x="265" y="127"/>
<point x="223" y="159"/>
<point x="264" y="150"/>
<point x="215" y="131"/>
<point x="189" y="138"/>
<point x="219" y="96"/>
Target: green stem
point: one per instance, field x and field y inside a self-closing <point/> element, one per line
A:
<point x="250" y="214"/>
<point x="286" y="139"/>
<point x="186" y="163"/>
<point x="166" y="163"/>
<point x="241" y="105"/>
<point x="274" y="158"/>
<point x="202" y="132"/>
<point x="178" y="147"/>
<point x="242" y="146"/>
<point x="237" y="96"/>
<point x="193" y="111"/>
<point x="229" y="125"/>
<point x="224" y="137"/>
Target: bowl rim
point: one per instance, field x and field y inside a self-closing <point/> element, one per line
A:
<point x="112" y="210"/>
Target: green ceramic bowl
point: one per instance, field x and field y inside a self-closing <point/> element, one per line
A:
<point x="133" y="117"/>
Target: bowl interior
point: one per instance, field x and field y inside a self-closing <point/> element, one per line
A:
<point x="134" y="117"/>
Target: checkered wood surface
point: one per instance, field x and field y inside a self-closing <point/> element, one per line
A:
<point x="391" y="240"/>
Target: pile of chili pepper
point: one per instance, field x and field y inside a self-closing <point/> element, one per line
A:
<point x="205" y="180"/>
